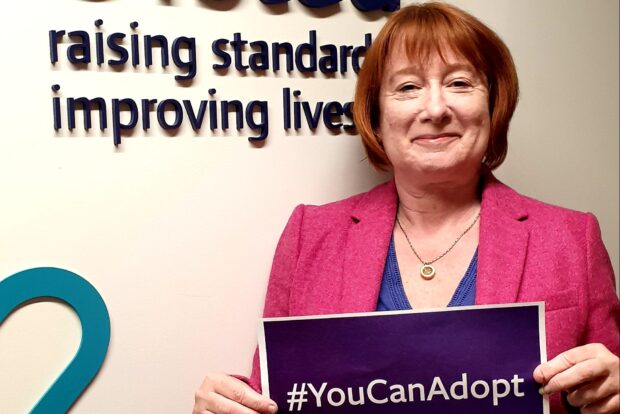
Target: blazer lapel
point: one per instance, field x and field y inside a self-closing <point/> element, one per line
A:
<point x="366" y="248"/>
<point x="503" y="244"/>
<point x="501" y="252"/>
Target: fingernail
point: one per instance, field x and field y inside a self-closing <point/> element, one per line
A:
<point x="273" y="408"/>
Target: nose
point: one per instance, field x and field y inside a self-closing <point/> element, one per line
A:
<point x="436" y="109"/>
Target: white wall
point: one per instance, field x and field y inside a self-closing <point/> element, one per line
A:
<point x="177" y="233"/>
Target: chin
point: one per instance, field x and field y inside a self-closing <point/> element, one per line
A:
<point x="444" y="170"/>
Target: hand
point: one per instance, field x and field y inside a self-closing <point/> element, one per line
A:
<point x="223" y="394"/>
<point x="589" y="374"/>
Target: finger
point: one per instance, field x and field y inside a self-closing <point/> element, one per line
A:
<point x="545" y="371"/>
<point x="582" y="372"/>
<point x="240" y="392"/>
<point x="592" y="392"/>
<point x="200" y="402"/>
<point x="219" y="404"/>
<point x="608" y="405"/>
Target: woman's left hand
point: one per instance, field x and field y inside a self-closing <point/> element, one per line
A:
<point x="590" y="374"/>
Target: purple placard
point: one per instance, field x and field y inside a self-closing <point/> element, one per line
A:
<point x="472" y="359"/>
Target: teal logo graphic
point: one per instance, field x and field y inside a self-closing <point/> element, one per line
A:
<point x="53" y="283"/>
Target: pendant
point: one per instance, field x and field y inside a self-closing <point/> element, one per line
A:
<point x="427" y="271"/>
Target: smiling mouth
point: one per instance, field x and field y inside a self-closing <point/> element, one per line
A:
<point x="435" y="138"/>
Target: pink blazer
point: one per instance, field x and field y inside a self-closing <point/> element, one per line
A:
<point x="330" y="259"/>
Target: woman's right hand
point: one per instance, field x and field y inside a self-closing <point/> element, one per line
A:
<point x="223" y="394"/>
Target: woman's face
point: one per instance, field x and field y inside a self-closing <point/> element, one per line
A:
<point x="434" y="119"/>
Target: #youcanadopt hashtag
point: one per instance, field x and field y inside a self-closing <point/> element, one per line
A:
<point x="297" y="397"/>
<point x="380" y="391"/>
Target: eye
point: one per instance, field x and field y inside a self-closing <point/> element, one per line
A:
<point x="408" y="87"/>
<point x="460" y="84"/>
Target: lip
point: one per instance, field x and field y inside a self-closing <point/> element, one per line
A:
<point x="436" y="138"/>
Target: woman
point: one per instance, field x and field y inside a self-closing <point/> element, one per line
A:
<point x="433" y="104"/>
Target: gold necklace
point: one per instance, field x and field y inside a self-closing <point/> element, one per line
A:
<point x="427" y="270"/>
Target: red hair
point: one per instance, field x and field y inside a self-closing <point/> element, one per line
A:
<point x="424" y="30"/>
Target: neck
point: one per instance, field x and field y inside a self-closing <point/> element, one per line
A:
<point x="430" y="206"/>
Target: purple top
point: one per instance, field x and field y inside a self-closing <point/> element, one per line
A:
<point x="392" y="293"/>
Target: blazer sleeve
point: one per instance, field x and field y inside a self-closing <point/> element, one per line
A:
<point x="602" y="301"/>
<point x="280" y="281"/>
<point x="603" y="319"/>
